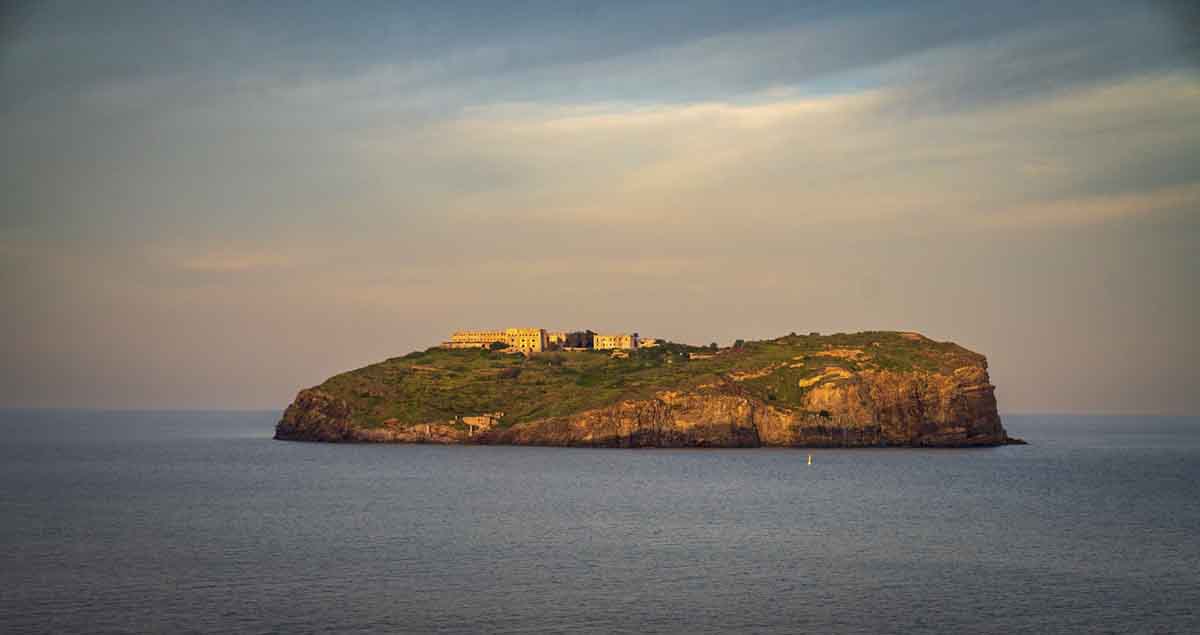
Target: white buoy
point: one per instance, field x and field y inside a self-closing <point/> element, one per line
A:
<point x="810" y="459"/>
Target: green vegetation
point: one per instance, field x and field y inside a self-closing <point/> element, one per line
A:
<point x="440" y="384"/>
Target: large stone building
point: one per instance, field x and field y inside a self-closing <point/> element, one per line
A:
<point x="475" y="339"/>
<point x="527" y="340"/>
<point x="615" y="341"/>
<point x="559" y="340"/>
<point x="535" y="340"/>
<point x="580" y="339"/>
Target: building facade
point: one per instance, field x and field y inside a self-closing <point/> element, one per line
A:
<point x="527" y="340"/>
<point x="535" y="340"/>
<point x="580" y="339"/>
<point x="615" y="341"/>
<point x="475" y="339"/>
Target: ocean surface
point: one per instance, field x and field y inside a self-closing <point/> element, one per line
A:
<point x="199" y="522"/>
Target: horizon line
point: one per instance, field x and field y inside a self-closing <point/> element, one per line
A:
<point x="1018" y="413"/>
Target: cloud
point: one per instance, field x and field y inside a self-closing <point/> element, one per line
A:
<point x="431" y="60"/>
<point x="1098" y="209"/>
<point x="793" y="161"/>
<point x="564" y="124"/>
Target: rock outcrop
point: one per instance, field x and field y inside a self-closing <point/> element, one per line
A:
<point x="866" y="407"/>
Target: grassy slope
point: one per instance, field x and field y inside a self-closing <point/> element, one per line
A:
<point x="437" y="384"/>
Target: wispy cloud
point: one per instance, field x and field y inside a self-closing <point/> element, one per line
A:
<point x="1099" y="209"/>
<point x="845" y="158"/>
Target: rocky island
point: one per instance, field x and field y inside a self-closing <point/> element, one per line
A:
<point x="867" y="389"/>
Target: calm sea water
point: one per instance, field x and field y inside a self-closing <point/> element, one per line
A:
<point x="136" y="522"/>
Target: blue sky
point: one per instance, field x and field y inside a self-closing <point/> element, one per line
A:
<point x="214" y="206"/>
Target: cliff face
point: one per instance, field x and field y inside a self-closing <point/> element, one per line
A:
<point x="316" y="416"/>
<point x="864" y="407"/>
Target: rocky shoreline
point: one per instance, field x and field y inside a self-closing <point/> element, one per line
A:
<point x="867" y="409"/>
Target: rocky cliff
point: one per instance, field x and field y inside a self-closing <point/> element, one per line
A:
<point x="861" y="390"/>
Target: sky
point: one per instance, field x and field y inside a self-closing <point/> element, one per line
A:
<point x="214" y="205"/>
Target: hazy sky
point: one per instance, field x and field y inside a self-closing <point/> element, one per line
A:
<point x="214" y="206"/>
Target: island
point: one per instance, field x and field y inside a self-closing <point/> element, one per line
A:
<point x="536" y="387"/>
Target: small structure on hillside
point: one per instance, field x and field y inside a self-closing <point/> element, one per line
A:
<point x="481" y="423"/>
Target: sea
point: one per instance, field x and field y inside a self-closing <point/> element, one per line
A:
<point x="145" y="522"/>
